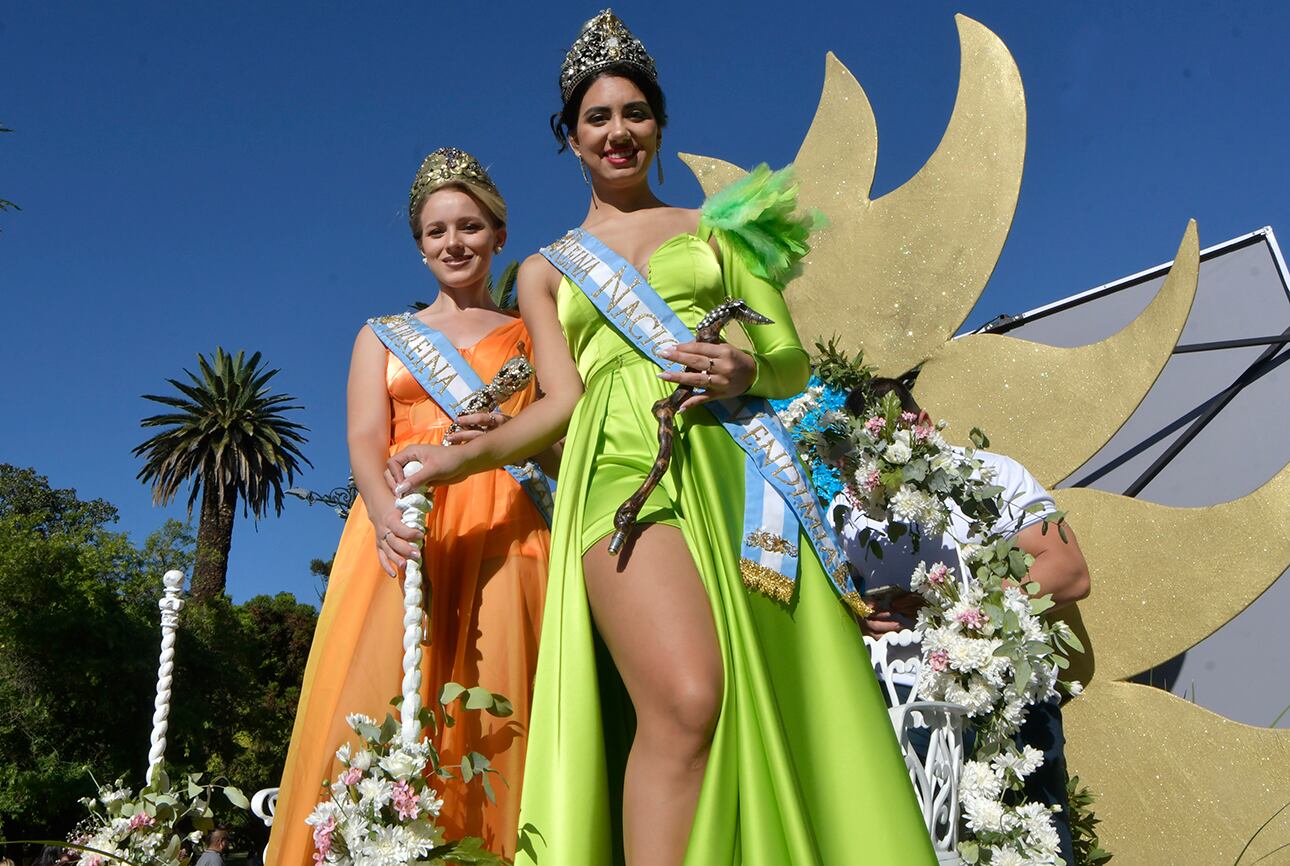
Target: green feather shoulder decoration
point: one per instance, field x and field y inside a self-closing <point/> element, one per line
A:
<point x="757" y="217"/>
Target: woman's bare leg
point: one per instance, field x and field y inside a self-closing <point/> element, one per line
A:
<point x="654" y="615"/>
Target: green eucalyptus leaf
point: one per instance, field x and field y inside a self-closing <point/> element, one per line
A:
<point x="478" y="698"/>
<point x="389" y="730"/>
<point x="450" y="692"/>
<point x="236" y="797"/>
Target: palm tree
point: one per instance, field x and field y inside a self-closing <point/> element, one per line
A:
<point x="5" y="204"/>
<point x="228" y="440"/>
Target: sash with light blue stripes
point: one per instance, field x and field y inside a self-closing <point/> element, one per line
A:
<point x="778" y="497"/>
<point x="449" y="380"/>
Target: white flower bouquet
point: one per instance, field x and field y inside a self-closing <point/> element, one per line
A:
<point x="984" y="644"/>
<point x="382" y="808"/>
<point x="148" y="829"/>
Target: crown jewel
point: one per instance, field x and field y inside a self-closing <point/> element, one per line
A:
<point x="604" y="41"/>
<point x="450" y="165"/>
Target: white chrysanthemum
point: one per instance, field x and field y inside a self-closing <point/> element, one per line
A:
<point x="983" y="815"/>
<point x="376" y="792"/>
<point x="968" y="654"/>
<point x="998" y="671"/>
<point x="362" y="760"/>
<point x="1007" y="856"/>
<point x="981" y="696"/>
<point x="898" y="452"/>
<point x="1016" y="601"/>
<point x="1075" y="687"/>
<point x="980" y="780"/>
<point x="342" y="754"/>
<point x="431" y="802"/>
<point x="906" y="504"/>
<point x="356" y="719"/>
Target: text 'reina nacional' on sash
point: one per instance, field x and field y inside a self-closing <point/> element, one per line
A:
<point x="778" y="497"/>
<point x="450" y="380"/>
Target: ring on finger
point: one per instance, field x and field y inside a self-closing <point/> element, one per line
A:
<point x="386" y="535"/>
<point x="711" y="361"/>
<point x="707" y="378"/>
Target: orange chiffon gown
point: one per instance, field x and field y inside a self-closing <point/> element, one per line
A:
<point x="486" y="561"/>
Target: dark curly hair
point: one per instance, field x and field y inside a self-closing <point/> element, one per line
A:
<point x="565" y="120"/>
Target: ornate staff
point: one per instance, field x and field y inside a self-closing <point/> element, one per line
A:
<point x="708" y="331"/>
<point x="415" y="507"/>
<point x="513" y="376"/>
<point x="170" y="603"/>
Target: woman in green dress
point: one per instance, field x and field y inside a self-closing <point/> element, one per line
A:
<point x="680" y="714"/>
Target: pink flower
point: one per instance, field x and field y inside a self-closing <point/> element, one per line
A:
<point x="923" y="432"/>
<point x="322" y="838"/>
<point x="876" y="424"/>
<point x="352" y="776"/>
<point x="939" y="660"/>
<point x="972" y="618"/>
<point x="92" y="860"/>
<point x="871" y="482"/>
<point x="937" y="574"/>
<point x="142" y="819"/>
<point x="406" y="801"/>
<point x="908" y="417"/>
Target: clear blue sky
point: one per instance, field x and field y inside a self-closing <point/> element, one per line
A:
<point x="236" y="174"/>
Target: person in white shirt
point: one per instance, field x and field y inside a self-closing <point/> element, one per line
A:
<point x="1059" y="569"/>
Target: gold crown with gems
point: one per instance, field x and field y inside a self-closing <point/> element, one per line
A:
<point x="454" y="165"/>
<point x="604" y="41"/>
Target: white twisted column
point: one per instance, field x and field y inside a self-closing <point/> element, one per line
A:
<point x="170" y="603"/>
<point x="415" y="506"/>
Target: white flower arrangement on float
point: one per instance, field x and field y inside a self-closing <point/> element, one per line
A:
<point x="984" y="644"/>
<point x="383" y="810"/>
<point x="147" y="830"/>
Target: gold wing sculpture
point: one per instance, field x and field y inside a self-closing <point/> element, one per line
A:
<point x="897" y="276"/>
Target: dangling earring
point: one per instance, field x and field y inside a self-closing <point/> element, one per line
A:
<point x="582" y="165"/>
<point x="425" y="261"/>
<point x="497" y="250"/>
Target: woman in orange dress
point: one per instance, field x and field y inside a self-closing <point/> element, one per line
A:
<point x="485" y="547"/>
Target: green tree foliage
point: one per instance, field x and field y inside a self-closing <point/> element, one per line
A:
<point x="79" y="636"/>
<point x="227" y="438"/>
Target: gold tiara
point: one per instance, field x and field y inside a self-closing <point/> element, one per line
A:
<point x="604" y="41"/>
<point x="450" y="165"/>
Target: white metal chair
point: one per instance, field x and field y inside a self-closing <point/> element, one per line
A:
<point x="936" y="777"/>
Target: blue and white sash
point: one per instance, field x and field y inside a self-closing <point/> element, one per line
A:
<point x="449" y="380"/>
<point x="778" y="498"/>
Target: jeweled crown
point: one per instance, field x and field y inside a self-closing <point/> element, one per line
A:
<point x="450" y="165"/>
<point x="604" y="41"/>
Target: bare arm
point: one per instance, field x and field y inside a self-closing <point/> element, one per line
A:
<point x="542" y="423"/>
<point x="368" y="432"/>
<point x="1059" y="566"/>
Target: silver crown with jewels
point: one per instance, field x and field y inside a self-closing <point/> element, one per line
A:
<point x="604" y="41"/>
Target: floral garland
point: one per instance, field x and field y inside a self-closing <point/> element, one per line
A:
<point x="146" y="830"/>
<point x="383" y="809"/>
<point x="984" y="644"/>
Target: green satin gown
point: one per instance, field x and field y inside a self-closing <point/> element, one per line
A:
<point x="804" y="767"/>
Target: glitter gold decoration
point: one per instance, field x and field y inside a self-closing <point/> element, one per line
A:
<point x="1052" y="408"/>
<point x="1149" y="563"/>
<point x="896" y="276"/>
<point x="767" y="581"/>
<point x="1174" y="783"/>
<point x="771" y="543"/>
